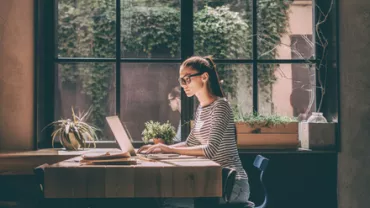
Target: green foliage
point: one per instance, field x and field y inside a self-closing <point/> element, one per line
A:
<point x="272" y="17"/>
<point x="164" y="131"/>
<point x="223" y="34"/>
<point x="256" y="119"/>
<point x="86" y="28"/>
<point x="151" y="29"/>
<point x="75" y="132"/>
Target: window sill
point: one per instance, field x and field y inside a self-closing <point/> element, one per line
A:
<point x="106" y="144"/>
<point x="285" y="151"/>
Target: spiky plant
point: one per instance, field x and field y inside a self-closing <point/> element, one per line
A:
<point x="76" y="132"/>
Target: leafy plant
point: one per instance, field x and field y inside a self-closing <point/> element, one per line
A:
<point x="163" y="131"/>
<point x="74" y="133"/>
<point x="256" y="119"/>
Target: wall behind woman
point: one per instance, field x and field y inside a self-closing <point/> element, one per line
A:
<point x="16" y="74"/>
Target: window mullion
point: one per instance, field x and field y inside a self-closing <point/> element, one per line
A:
<point x="255" y="56"/>
<point x="187" y="50"/>
<point x="118" y="56"/>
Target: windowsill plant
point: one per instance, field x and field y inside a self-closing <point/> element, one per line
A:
<point x="256" y="131"/>
<point x="74" y="133"/>
<point x="159" y="133"/>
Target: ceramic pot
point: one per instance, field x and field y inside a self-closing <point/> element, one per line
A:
<point x="158" y="141"/>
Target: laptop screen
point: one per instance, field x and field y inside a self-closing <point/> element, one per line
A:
<point x="121" y="134"/>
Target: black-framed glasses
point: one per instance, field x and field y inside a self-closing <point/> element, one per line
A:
<point x="185" y="80"/>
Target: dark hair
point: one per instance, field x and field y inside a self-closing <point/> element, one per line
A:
<point x="175" y="92"/>
<point x="206" y="64"/>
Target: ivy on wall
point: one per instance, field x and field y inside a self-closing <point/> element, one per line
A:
<point x="86" y="28"/>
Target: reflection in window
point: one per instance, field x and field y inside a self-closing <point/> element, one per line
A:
<point x="287" y="89"/>
<point x="144" y="95"/>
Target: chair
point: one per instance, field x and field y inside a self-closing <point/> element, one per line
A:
<point x="228" y="180"/>
<point x="39" y="175"/>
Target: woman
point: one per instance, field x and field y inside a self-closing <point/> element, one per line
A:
<point x="213" y="134"/>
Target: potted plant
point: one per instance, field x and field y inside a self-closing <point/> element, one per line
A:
<point x="75" y="132"/>
<point x="318" y="135"/>
<point x="160" y="133"/>
<point x="256" y="131"/>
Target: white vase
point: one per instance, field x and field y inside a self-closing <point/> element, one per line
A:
<point x="317" y="117"/>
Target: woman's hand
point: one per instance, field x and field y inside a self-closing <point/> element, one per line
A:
<point x="144" y="148"/>
<point x="159" y="148"/>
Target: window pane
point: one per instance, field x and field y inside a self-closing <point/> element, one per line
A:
<point x="144" y="95"/>
<point x="86" y="28"/>
<point x="84" y="85"/>
<point x="237" y="85"/>
<point x="285" y="29"/>
<point x="287" y="89"/>
<point x="223" y="29"/>
<point x="150" y="29"/>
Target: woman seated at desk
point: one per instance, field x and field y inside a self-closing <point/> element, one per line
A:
<point x="213" y="134"/>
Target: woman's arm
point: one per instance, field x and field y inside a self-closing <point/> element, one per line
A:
<point x="180" y="144"/>
<point x="192" y="151"/>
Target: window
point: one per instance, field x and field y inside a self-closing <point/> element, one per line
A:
<point x="121" y="57"/>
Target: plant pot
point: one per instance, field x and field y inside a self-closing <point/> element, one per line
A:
<point x="69" y="141"/>
<point x="274" y="137"/>
<point x="158" y="141"/>
<point x="317" y="136"/>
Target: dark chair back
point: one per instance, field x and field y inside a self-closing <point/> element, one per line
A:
<point x="261" y="163"/>
<point x="228" y="180"/>
<point x="39" y="174"/>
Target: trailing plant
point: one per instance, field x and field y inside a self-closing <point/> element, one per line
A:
<point x="154" y="130"/>
<point x="86" y="28"/>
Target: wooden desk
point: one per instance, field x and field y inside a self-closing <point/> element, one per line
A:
<point x="196" y="177"/>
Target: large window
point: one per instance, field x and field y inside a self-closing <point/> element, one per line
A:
<point x="121" y="57"/>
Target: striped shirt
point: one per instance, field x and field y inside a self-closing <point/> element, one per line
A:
<point x="214" y="130"/>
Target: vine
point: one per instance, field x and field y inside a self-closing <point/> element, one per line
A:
<point x="87" y="29"/>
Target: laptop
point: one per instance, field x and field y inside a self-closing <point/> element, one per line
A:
<point x="124" y="139"/>
<point x="120" y="134"/>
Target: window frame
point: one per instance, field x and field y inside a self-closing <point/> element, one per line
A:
<point x="46" y="59"/>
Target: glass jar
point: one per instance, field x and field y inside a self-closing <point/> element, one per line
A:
<point x="317" y="117"/>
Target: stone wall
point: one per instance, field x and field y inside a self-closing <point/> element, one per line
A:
<point x="354" y="158"/>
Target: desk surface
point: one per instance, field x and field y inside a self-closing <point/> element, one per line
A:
<point x="194" y="177"/>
